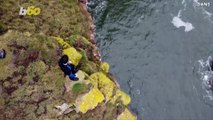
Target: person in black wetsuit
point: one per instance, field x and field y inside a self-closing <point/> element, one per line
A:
<point x="68" y="68"/>
<point x="2" y="53"/>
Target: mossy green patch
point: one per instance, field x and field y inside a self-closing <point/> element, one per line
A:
<point x="3" y="28"/>
<point x="56" y="17"/>
<point x="78" y="87"/>
<point x="84" y="55"/>
<point x="54" y="79"/>
<point x="36" y="70"/>
<point x="89" y="67"/>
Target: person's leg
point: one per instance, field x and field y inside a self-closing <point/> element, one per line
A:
<point x="73" y="77"/>
<point x="74" y="70"/>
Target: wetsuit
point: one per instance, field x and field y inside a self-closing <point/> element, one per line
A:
<point x="72" y="71"/>
<point x="68" y="69"/>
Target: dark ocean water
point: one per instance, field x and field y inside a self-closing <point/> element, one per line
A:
<point x="157" y="50"/>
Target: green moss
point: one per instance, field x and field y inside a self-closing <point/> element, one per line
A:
<point x="84" y="55"/>
<point x="42" y="38"/>
<point x="89" y="67"/>
<point x="21" y="69"/>
<point x="78" y="87"/>
<point x="71" y="40"/>
<point x="54" y="18"/>
<point x="47" y="48"/>
<point x="2" y="101"/>
<point x="3" y="28"/>
<point x="54" y="79"/>
<point x="36" y="70"/>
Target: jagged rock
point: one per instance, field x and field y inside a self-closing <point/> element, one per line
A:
<point x="105" y="67"/>
<point x="89" y="100"/>
<point x="71" y="52"/>
<point x="126" y="115"/>
<point x="104" y="84"/>
<point x="123" y="97"/>
<point x="64" y="108"/>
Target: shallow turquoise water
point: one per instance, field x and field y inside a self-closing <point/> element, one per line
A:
<point x="154" y="60"/>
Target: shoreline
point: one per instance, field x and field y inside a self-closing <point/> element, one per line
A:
<point x="91" y="33"/>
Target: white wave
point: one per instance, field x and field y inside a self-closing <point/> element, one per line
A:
<point x="178" y="22"/>
<point x="184" y="4"/>
<point x="101" y="6"/>
<point x="206" y="75"/>
<point x="183" y="1"/>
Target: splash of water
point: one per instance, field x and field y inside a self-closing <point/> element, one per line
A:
<point x="206" y="75"/>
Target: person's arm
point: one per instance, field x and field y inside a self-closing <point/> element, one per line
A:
<point x="69" y="62"/>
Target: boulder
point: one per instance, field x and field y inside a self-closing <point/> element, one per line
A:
<point x="89" y="101"/>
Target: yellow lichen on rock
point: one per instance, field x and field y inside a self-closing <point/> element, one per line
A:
<point x="73" y="55"/>
<point x="81" y="75"/>
<point x="104" y="84"/>
<point x="82" y="39"/>
<point x="89" y="101"/>
<point x="62" y="43"/>
<point x="126" y="115"/>
<point x="105" y="67"/>
<point x="120" y="95"/>
<point x="71" y="52"/>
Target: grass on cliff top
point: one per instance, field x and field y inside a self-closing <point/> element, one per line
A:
<point x="30" y="77"/>
<point x="57" y="17"/>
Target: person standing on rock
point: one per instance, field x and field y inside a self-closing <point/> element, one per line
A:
<point x="68" y="68"/>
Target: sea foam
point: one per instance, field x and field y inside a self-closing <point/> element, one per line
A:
<point x="178" y="22"/>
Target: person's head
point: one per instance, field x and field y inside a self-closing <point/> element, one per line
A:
<point x="2" y="53"/>
<point x="64" y="59"/>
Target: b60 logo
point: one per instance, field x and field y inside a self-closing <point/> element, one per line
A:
<point x="31" y="10"/>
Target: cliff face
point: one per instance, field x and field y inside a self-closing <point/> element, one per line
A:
<point x="32" y="86"/>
